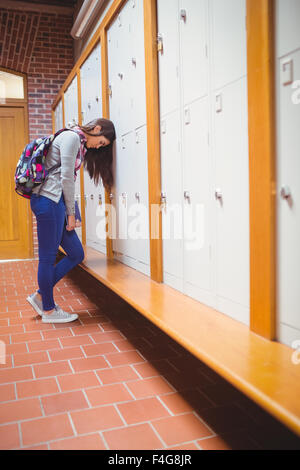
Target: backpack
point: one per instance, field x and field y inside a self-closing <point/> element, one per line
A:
<point x="31" y="171"/>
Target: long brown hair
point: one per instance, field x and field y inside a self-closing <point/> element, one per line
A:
<point x="98" y="162"/>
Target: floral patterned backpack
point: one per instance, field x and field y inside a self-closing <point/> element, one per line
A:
<point x="31" y="171"/>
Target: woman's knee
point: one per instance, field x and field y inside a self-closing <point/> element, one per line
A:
<point x="78" y="255"/>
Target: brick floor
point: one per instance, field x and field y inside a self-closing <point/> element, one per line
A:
<point x="112" y="380"/>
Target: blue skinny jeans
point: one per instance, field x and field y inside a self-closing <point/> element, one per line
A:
<point x="52" y="233"/>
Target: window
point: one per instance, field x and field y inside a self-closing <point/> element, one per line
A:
<point x="11" y="86"/>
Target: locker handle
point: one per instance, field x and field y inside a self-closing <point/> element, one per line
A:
<point x="187" y="196"/>
<point x="160" y="46"/>
<point x="111" y="196"/>
<point x="285" y="192"/>
<point x="133" y="61"/>
<point x="137" y="196"/>
<point x="218" y="194"/>
<point x="183" y="15"/>
<point x="92" y="196"/>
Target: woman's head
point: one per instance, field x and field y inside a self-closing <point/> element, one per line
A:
<point x="100" y="135"/>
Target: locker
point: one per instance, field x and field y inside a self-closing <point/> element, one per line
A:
<point x="58" y="117"/>
<point x="71" y="104"/>
<point x="92" y="109"/>
<point x="228" y="40"/>
<point x="172" y="210"/>
<point x="232" y="201"/>
<point x="141" y="201"/>
<point x="287" y="14"/>
<point x="210" y="176"/>
<point x="137" y="65"/>
<point x="193" y="44"/>
<point x="126" y="71"/>
<point x="78" y="199"/>
<point x="168" y="30"/>
<point x="197" y="202"/>
<point x="288" y="189"/>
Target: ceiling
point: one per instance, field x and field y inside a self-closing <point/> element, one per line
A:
<point x="61" y="3"/>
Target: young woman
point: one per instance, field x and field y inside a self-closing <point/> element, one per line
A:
<point x="55" y="199"/>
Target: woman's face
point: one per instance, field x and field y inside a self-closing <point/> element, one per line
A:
<point x="97" y="141"/>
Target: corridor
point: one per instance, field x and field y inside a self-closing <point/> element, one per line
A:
<point x="112" y="380"/>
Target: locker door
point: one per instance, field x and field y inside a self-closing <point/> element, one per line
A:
<point x="137" y="65"/>
<point x="193" y="47"/>
<point x="96" y="89"/>
<point x="288" y="198"/>
<point x="74" y="101"/>
<point x="197" y="203"/>
<point x="172" y="215"/>
<point x="84" y="74"/>
<point x="58" y="117"/>
<point x="287" y="26"/>
<point x="78" y="199"/>
<point x="129" y="185"/>
<point x="112" y="52"/>
<point x="228" y="39"/>
<point x="99" y="203"/>
<point x="67" y="108"/>
<point x="232" y="200"/>
<point x="123" y="170"/>
<point x="168" y="58"/>
<point x="124" y="59"/>
<point x="71" y="104"/>
<point x="141" y="200"/>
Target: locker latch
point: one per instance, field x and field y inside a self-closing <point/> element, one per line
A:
<point x="285" y="192"/>
<point x="160" y="46"/>
<point x="218" y="194"/>
<point x="109" y="90"/>
<point x="137" y="196"/>
<point x="187" y="196"/>
<point x="100" y="199"/>
<point x="133" y="60"/>
<point x="163" y="199"/>
<point x="183" y="15"/>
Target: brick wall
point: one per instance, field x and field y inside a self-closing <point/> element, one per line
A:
<point x="38" y="44"/>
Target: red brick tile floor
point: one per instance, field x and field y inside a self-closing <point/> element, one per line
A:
<point x="112" y="380"/>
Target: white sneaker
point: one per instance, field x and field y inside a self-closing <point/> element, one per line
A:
<point x="36" y="303"/>
<point x="58" y="316"/>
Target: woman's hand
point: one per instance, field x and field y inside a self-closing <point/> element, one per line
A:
<point x="71" y="222"/>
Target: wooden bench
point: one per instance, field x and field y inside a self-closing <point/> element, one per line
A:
<point x="260" y="368"/>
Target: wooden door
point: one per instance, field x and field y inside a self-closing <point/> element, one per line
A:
<point x="15" y="212"/>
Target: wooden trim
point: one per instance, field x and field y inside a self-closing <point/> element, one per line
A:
<point x="82" y="200"/>
<point x="53" y="120"/>
<point x="153" y="138"/>
<point x="261" y="128"/>
<point x="105" y="114"/>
